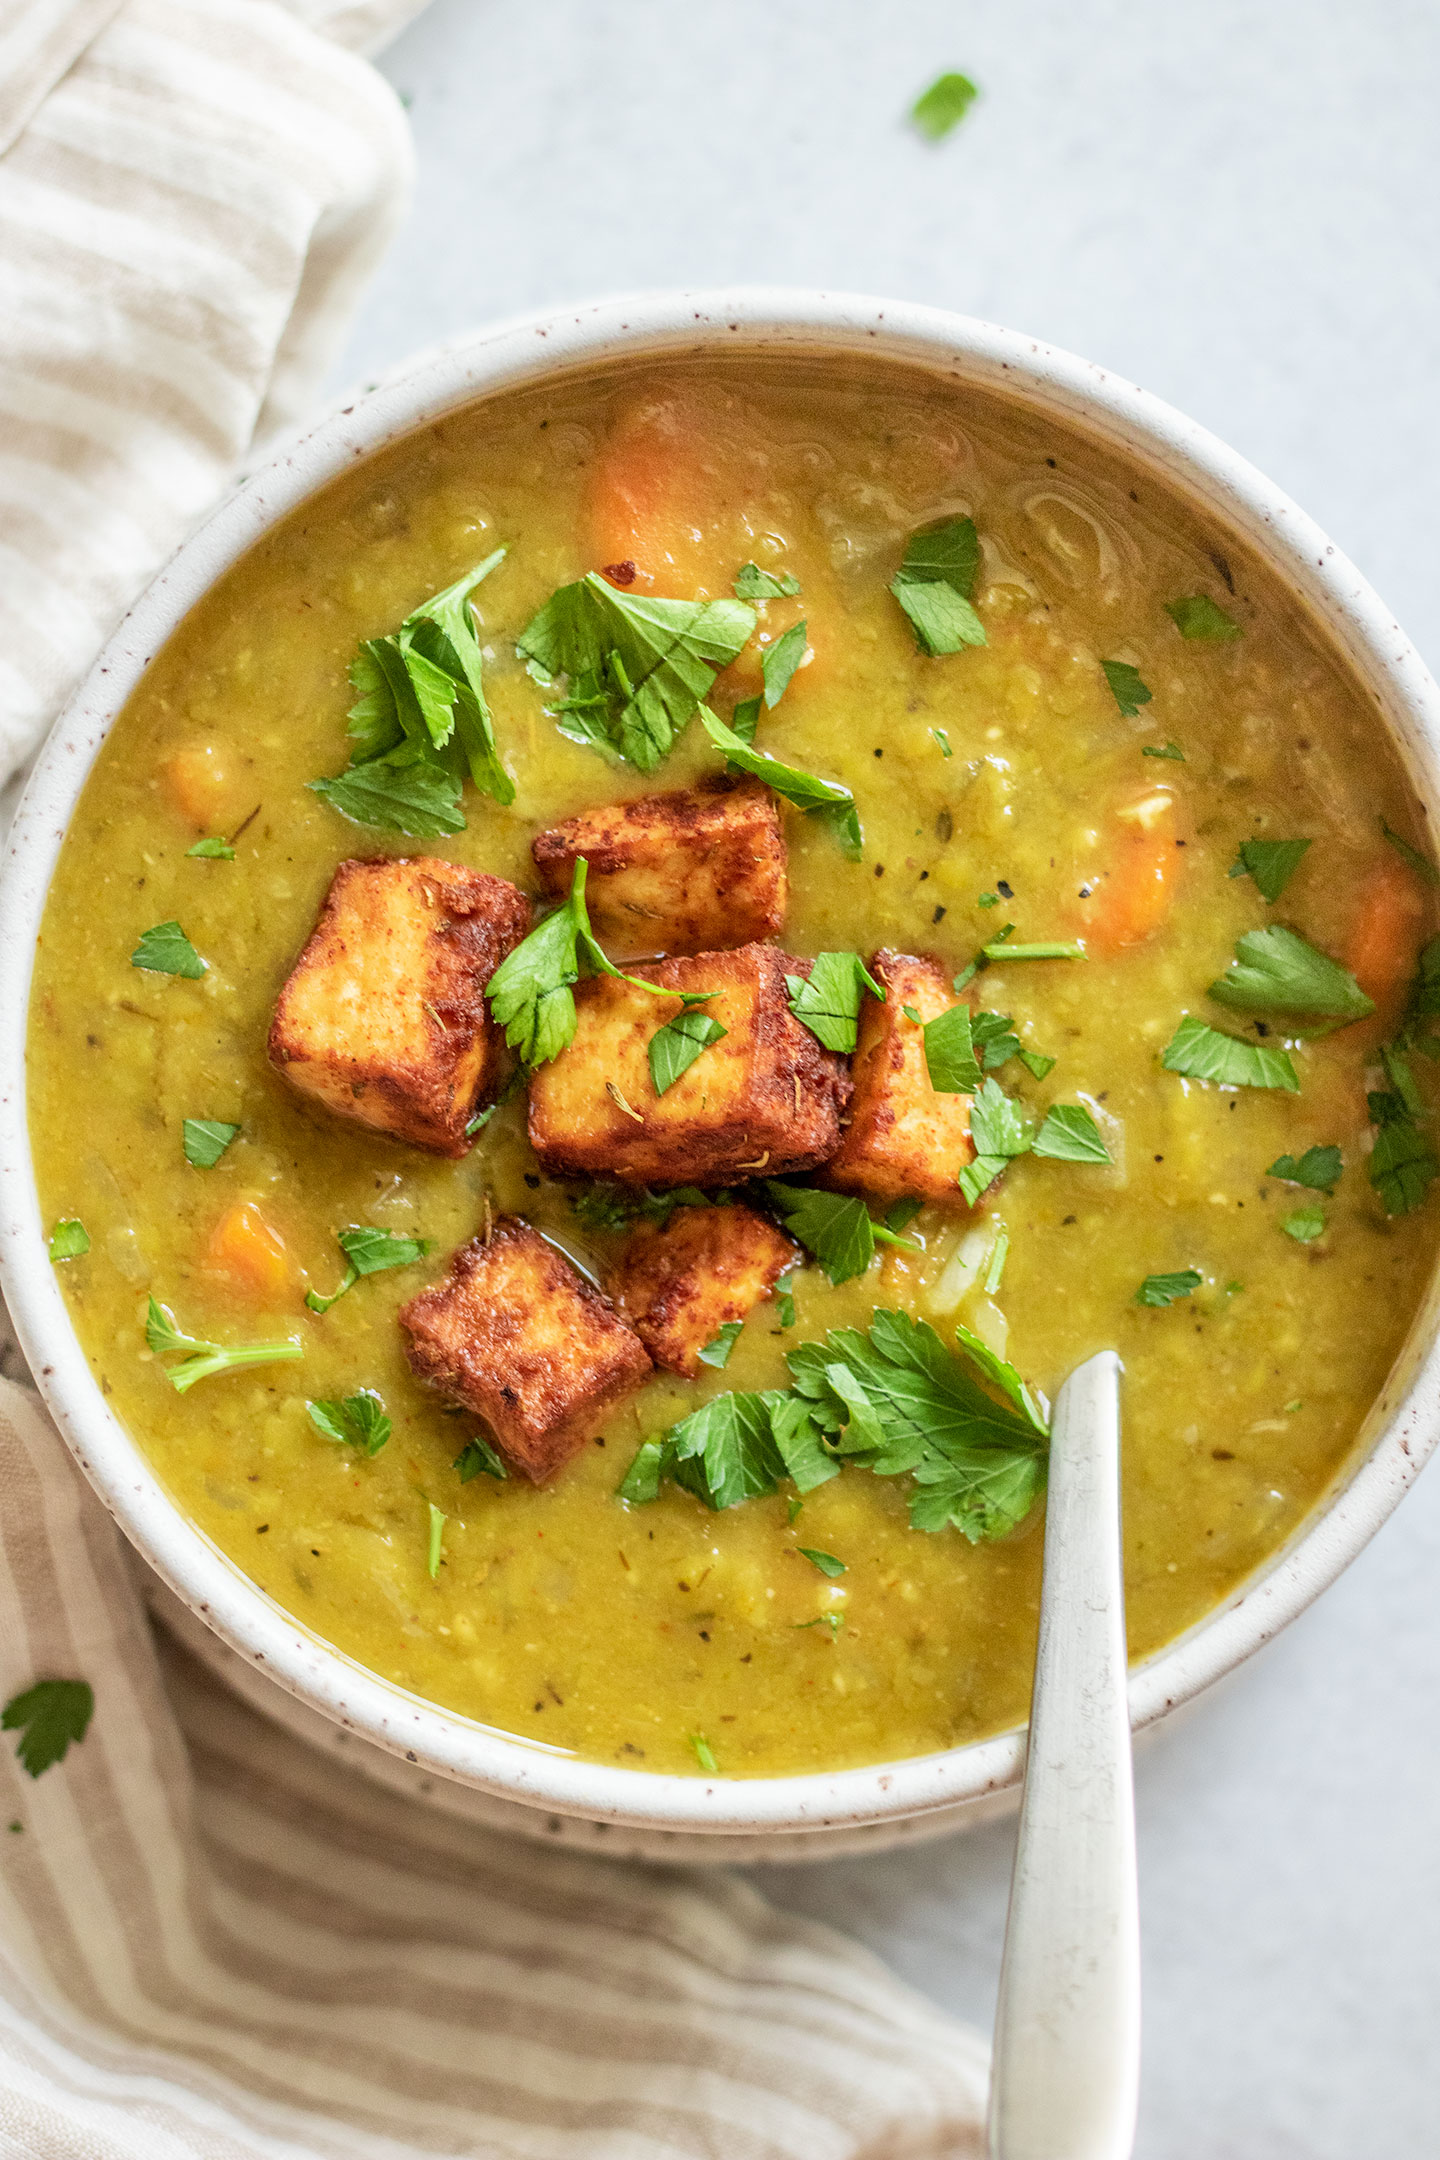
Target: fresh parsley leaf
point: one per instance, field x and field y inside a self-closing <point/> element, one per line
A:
<point x="951" y="1052"/>
<point x="1318" y="1167"/>
<point x="69" y="1240"/>
<point x="166" y="950"/>
<point x="988" y="900"/>
<point x="1070" y="1134"/>
<point x="642" y="1481"/>
<point x="1171" y="750"/>
<point x="943" y="106"/>
<point x="943" y="740"/>
<point x="1198" y="617"/>
<point x="642" y="666"/>
<point x="753" y="583"/>
<point x="746" y="718"/>
<point x="934" y="583"/>
<point x="1035" y="1063"/>
<point x="421" y="800"/>
<point x="476" y="1456"/>
<point x="674" y="1048"/>
<point x="1272" y="863"/>
<point x="369" y="1252"/>
<point x="359" y="1421"/>
<point x="825" y="1561"/>
<point x="717" y="1351"/>
<point x="435" y="1548"/>
<point x="902" y="1214"/>
<point x="1420" y="864"/>
<point x="1205" y="1053"/>
<point x="779" y="661"/>
<point x="212" y="851"/>
<point x="704" y="1753"/>
<point x="833" y="806"/>
<point x="785" y="1300"/>
<point x="1128" y="690"/>
<point x="1275" y="970"/>
<point x="725" y="1451"/>
<point x="827" y="1001"/>
<point x="202" y="1360"/>
<point x="1305" y="1225"/>
<point x="1166" y="1289"/>
<point x="482" y="1118"/>
<point x="999" y="1131"/>
<point x="1401" y="1076"/>
<point x="837" y="1229"/>
<point x="205" y="1141"/>
<point x="48" y="1717"/>
<point x="1402" y="1164"/>
<point x="831" y="1620"/>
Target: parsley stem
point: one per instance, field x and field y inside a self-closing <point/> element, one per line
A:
<point x="998" y="951"/>
<point x="219" y="1361"/>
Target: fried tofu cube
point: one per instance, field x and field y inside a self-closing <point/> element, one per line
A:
<point x="384" y="1018"/>
<point x="683" y="873"/>
<point x="764" y="1100"/>
<point x="678" y="1286"/>
<point x="902" y="1139"/>
<point x="516" y="1334"/>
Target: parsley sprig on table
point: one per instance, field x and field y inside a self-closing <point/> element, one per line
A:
<point x="421" y="723"/>
<point x="892" y="1400"/>
<point x="48" y="1717"/>
<point x="637" y="668"/>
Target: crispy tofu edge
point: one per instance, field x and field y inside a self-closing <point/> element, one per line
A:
<point x="879" y="1069"/>
<point x="678" y="1286"/>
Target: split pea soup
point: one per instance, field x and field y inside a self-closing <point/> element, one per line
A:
<point x="1106" y="779"/>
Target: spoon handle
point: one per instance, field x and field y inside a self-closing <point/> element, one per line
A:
<point x="1067" y="2032"/>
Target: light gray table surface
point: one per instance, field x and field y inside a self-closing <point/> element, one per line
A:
<point x="1238" y="207"/>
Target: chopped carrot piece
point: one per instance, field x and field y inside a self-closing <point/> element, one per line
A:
<point x="1134" y="893"/>
<point x="1385" y="932"/>
<point x="203" y="786"/>
<point x="247" y="1249"/>
<point x="662" y="501"/>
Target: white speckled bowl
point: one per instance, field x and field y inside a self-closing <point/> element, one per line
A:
<point x="531" y="1786"/>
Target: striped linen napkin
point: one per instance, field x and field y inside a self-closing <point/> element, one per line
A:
<point x="216" y="1942"/>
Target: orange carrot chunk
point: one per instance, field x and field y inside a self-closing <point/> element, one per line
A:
<point x="1136" y="889"/>
<point x="659" y="512"/>
<point x="248" y="1251"/>
<point x="1385" y="932"/>
<point x="202" y="786"/>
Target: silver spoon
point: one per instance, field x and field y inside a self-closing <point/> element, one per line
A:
<point x="1067" y="2031"/>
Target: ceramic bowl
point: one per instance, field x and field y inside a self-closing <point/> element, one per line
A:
<point x="531" y="1785"/>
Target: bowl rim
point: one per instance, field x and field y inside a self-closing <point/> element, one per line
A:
<point x="1403" y="1427"/>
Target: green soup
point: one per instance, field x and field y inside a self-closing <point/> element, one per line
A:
<point x="1006" y="797"/>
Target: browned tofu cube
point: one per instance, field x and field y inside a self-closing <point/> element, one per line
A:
<point x="679" y="1286"/>
<point x="383" y="1018"/>
<point x="903" y="1138"/>
<point x="682" y="873"/>
<point x="517" y="1335"/>
<point x="765" y="1100"/>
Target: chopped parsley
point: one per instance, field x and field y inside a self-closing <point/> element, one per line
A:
<point x="951" y="1057"/>
<point x="994" y="1273"/>
<point x="785" y="1300"/>
<point x="530" y="991"/>
<point x="717" y="1351"/>
<point x="1275" y="970"/>
<point x="482" y="1118"/>
<point x="1272" y="863"/>
<point x="838" y="1230"/>
<point x="638" y="668"/>
<point x="1166" y="1289"/>
<point x="1305" y="1225"/>
<point x="753" y="583"/>
<point x="69" y="1240"/>
<point x="202" y="1360"/>
<point x="420" y="724"/>
<point x="674" y="1048"/>
<point x="205" y="1141"/>
<point x="943" y="106"/>
<point x="1169" y="750"/>
<point x="214" y="850"/>
<point x="1198" y="617"/>
<point x="999" y="1131"/>
<point x="1402" y="1164"/>
<point x="1420" y="864"/>
<point x="827" y="1001"/>
<point x="477" y="1457"/>
<point x="829" y="805"/>
<point x="166" y="950"/>
<point x="943" y="740"/>
<point x="1001" y="949"/>
<point x="436" y="1545"/>
<point x="358" y="1422"/>
<point x="703" y="1752"/>
<point x="1199" y="1052"/>
<point x="779" y="661"/>
<point x="1318" y="1167"/>
<point x="825" y="1561"/>
<point x="368" y="1252"/>
<point x="934" y="583"/>
<point x="49" y="1717"/>
<point x="1126" y="686"/>
<point x="642" y="1481"/>
<point x="1070" y="1134"/>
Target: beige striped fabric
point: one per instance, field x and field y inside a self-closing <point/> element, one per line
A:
<point x="192" y="193"/>
<point x="215" y="1942"/>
